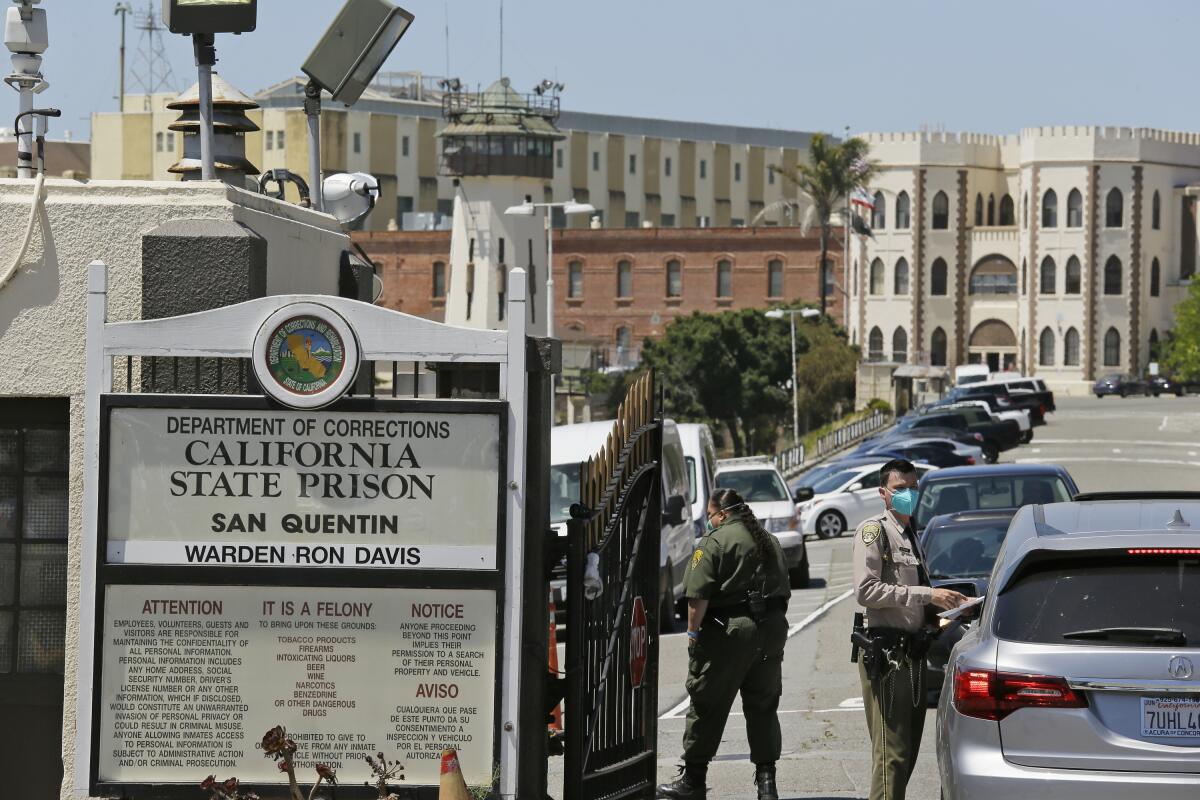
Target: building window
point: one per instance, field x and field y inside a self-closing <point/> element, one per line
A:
<point x="1074" y="209"/>
<point x="633" y="164"/>
<point x="737" y="222"/>
<point x="877" y="277"/>
<point x="439" y="279"/>
<point x="900" y="346"/>
<point x="1050" y="209"/>
<point x="674" y="278"/>
<point x="1024" y="275"/>
<point x="357" y="142"/>
<point x="996" y="275"/>
<point x="875" y="345"/>
<point x="1112" y="348"/>
<point x="575" y="279"/>
<point x="595" y="161"/>
<point x="1006" y="210"/>
<point x="991" y="213"/>
<point x="979" y="211"/>
<point x="1112" y="275"/>
<point x="624" y="279"/>
<point x="941" y="212"/>
<point x="770" y="176"/>
<point x="1156" y="211"/>
<point x="632" y="219"/>
<point x="724" y="278"/>
<point x="1154" y="277"/>
<point x="1074" y="277"/>
<point x="774" y="278"/>
<point x="1046" y="348"/>
<point x="404" y="149"/>
<point x="278" y="140"/>
<point x="1071" y="348"/>
<point x="1025" y="210"/>
<point x="625" y="354"/>
<point x="902" y="212"/>
<point x="879" y="214"/>
<point x="1049" y="276"/>
<point x="667" y="166"/>
<point x="158" y="142"/>
<point x="703" y="168"/>
<point x="1113" y="207"/>
<point x="558" y="158"/>
<point x="667" y="220"/>
<point x="900" y="278"/>
<point x="737" y="172"/>
<point x="937" y="278"/>
<point x="270" y="141"/>
<point x="937" y="348"/>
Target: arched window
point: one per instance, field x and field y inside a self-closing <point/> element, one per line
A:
<point x="1112" y="348"/>
<point x="879" y="214"/>
<point x="1154" y="344"/>
<point x="941" y="211"/>
<point x="875" y="345"/>
<point x="1006" y="210"/>
<point x="1049" y="209"/>
<point x="1025" y="210"/>
<point x="624" y="279"/>
<point x="1074" y="209"/>
<point x="902" y="212"/>
<point x="876" y="277"/>
<point x="439" y="279"/>
<point x="674" y="278"/>
<point x="1046" y="348"/>
<point x="1112" y="275"/>
<point x="575" y="279"/>
<point x="1113" y="207"/>
<point x="1074" y="281"/>
<point x="1024" y="275"/>
<point x="774" y="278"/>
<point x="937" y="348"/>
<point x="991" y="213"/>
<point x="854" y="284"/>
<point x="1156" y="211"/>
<point x="900" y="346"/>
<point x="900" y="278"/>
<point x="624" y="346"/>
<point x="1071" y="348"/>
<point x="993" y="275"/>
<point x="1049" y="276"/>
<point x="1154" y="277"/>
<point x="978" y="210"/>
<point x="937" y="277"/>
<point x="724" y="278"/>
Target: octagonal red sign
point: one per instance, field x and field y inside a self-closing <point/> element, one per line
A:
<point x="639" y="644"/>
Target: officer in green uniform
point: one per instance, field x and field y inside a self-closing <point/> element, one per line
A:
<point x="737" y="592"/>
<point x="891" y="582"/>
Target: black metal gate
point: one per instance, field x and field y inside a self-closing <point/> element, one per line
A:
<point x="612" y="609"/>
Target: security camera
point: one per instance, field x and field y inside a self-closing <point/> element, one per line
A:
<point x="350" y="196"/>
<point x="25" y="28"/>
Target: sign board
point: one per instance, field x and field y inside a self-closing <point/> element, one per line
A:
<point x="639" y="637"/>
<point x="230" y="486"/>
<point x="1153" y="367"/>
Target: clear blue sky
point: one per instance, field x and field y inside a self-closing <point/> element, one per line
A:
<point x="872" y="64"/>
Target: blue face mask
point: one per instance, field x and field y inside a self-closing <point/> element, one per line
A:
<point x="904" y="501"/>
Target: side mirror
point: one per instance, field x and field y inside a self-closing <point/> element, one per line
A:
<point x="673" y="510"/>
<point x="803" y="494"/>
<point x="854" y="487"/>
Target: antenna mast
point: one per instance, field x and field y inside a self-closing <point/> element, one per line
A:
<point x="151" y="53"/>
<point x="501" y="39"/>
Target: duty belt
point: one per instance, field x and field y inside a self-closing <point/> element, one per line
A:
<point x="743" y="609"/>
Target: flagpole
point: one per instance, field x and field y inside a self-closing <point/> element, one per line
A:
<point x="846" y="228"/>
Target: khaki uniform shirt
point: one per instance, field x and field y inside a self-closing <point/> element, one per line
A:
<point x="723" y="567"/>
<point x="887" y="584"/>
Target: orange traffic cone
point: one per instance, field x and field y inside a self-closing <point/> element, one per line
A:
<point x="452" y="786"/>
<point x="556" y="714"/>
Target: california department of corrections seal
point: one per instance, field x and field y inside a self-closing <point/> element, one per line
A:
<point x="871" y="531"/>
<point x="305" y="355"/>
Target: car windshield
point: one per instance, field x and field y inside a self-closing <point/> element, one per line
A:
<point x="964" y="549"/>
<point x="951" y="495"/>
<point x="754" y="485"/>
<point x="564" y="491"/>
<point x="1092" y="596"/>
<point x="831" y="483"/>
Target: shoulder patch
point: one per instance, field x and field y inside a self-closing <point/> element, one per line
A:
<point x="696" y="557"/>
<point x="871" y="531"/>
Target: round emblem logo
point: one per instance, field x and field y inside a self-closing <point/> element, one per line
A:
<point x="1180" y="668"/>
<point x="305" y="356"/>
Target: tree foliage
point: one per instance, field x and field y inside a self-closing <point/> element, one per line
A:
<point x="1181" y="350"/>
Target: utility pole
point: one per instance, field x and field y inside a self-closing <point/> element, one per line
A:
<point x="122" y="10"/>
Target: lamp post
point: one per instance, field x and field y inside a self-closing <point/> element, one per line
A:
<point x="806" y="313"/>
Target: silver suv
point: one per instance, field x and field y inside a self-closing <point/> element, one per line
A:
<point x="1081" y="678"/>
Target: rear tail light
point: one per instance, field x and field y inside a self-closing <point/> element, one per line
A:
<point x="1164" y="551"/>
<point x="1042" y="409"/>
<point x="970" y="461"/>
<point x="987" y="694"/>
<point x="978" y="437"/>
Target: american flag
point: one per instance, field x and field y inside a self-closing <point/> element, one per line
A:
<point x="859" y="197"/>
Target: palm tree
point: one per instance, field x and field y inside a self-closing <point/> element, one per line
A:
<point x="833" y="171"/>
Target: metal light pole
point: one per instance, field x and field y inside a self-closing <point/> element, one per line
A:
<point x="777" y="313"/>
<point x="206" y="57"/>
<point x="122" y="10"/>
<point x="528" y="209"/>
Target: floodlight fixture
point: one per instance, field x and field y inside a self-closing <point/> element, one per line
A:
<point x="354" y="48"/>
<point x="571" y="207"/>
<point x="210" y="16"/>
<point x="522" y="210"/>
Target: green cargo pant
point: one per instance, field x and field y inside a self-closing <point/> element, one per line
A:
<point x="744" y="656"/>
<point x="895" y="723"/>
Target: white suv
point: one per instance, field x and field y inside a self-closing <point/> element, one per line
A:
<point x="761" y="485"/>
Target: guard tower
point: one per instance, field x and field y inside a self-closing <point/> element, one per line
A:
<point x="499" y="146"/>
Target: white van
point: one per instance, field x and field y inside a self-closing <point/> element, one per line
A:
<point x="570" y="445"/>
<point x="700" y="455"/>
<point x="970" y="373"/>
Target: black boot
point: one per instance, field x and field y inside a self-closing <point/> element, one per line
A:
<point x="764" y="779"/>
<point x="688" y="786"/>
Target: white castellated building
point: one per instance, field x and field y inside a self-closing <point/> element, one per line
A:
<point x="1059" y="252"/>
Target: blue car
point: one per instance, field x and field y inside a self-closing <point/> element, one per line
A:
<point x="989" y="487"/>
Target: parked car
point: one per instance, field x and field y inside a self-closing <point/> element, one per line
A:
<point x="700" y="459"/>
<point x="1079" y="679"/>
<point x="961" y="551"/>
<point x="572" y="444"/>
<point x="949" y="491"/>
<point x="1017" y="384"/>
<point x="842" y="500"/>
<point x="998" y="396"/>
<point x="761" y="485"/>
<point x="997" y="437"/>
<point x="1123" y="385"/>
<point x="970" y="373"/>
<point x="924" y="452"/>
<point x="970" y="451"/>
<point x="1164" y="384"/>
<point x="965" y="442"/>
<point x="1017" y="415"/>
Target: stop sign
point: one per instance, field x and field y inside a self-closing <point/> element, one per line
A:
<point x="639" y="636"/>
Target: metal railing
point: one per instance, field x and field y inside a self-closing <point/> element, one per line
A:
<point x="796" y="458"/>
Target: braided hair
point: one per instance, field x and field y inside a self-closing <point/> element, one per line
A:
<point x="731" y="502"/>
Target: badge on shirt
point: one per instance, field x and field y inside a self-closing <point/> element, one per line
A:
<point x="871" y="531"/>
<point x="696" y="556"/>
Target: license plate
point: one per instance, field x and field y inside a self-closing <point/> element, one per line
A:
<point x="1168" y="717"/>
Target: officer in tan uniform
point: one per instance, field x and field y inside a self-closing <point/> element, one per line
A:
<point x="891" y="582"/>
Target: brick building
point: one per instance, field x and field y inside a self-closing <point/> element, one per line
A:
<point x="615" y="288"/>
